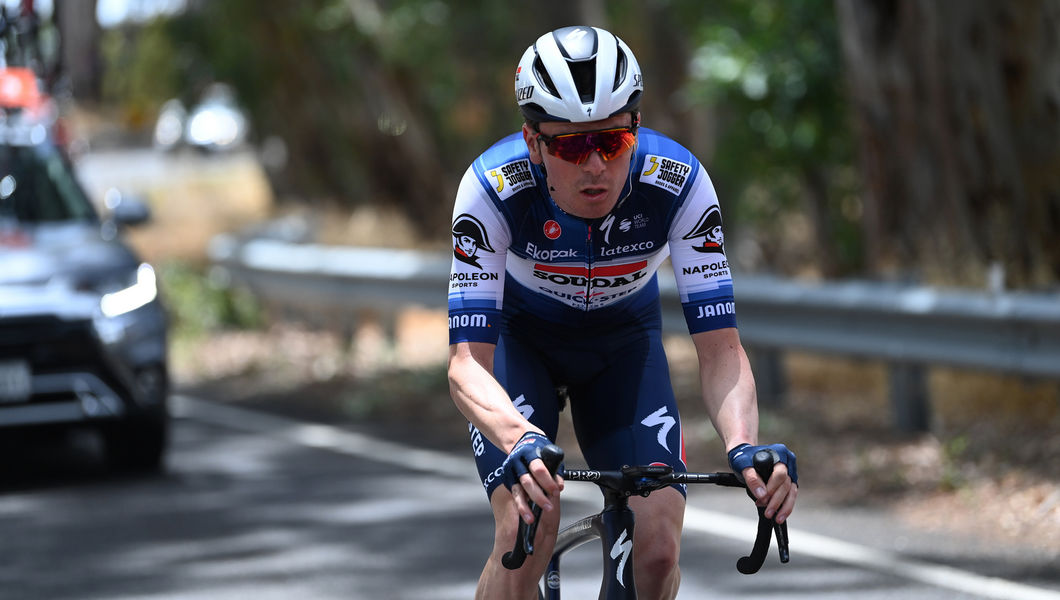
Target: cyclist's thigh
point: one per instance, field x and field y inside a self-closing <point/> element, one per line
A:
<point x="628" y="415"/>
<point x="521" y="372"/>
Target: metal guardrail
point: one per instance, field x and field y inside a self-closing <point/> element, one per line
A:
<point x="909" y="327"/>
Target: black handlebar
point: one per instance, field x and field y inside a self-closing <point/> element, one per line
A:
<point x="644" y="480"/>
<point x="764" y="460"/>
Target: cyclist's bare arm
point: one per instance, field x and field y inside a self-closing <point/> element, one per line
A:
<point x="731" y="401"/>
<point x="479" y="396"/>
<point x="482" y="400"/>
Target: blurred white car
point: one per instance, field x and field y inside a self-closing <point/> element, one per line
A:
<point x="215" y="124"/>
<point x="169" y="129"/>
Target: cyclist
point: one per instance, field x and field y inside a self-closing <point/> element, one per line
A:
<point x="558" y="232"/>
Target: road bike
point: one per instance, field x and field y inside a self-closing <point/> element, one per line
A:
<point x="613" y="526"/>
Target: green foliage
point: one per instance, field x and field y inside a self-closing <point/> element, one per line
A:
<point x="773" y="70"/>
<point x="141" y="71"/>
<point x="387" y="101"/>
<point x="198" y="303"/>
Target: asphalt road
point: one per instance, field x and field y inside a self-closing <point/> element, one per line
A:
<point x="256" y="506"/>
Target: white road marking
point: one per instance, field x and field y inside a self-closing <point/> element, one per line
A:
<point x="715" y="523"/>
<point x="806" y="543"/>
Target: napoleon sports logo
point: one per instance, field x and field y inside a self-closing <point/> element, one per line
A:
<point x="709" y="228"/>
<point x="469" y="236"/>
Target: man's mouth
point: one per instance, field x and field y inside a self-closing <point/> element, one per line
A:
<point x="594" y="192"/>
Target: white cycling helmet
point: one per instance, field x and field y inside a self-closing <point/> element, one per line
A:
<point x="577" y="74"/>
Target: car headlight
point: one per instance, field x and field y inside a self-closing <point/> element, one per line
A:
<point x="141" y="291"/>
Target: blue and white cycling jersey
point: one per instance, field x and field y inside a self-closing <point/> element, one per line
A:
<point x="516" y="253"/>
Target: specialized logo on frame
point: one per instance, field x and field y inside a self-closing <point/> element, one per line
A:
<point x="623" y="547"/>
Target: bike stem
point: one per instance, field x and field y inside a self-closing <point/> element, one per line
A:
<point x="616" y="525"/>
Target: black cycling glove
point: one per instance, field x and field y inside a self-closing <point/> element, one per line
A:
<point x="742" y="457"/>
<point x="526" y="450"/>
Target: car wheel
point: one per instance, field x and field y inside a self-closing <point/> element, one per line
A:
<point x="136" y="444"/>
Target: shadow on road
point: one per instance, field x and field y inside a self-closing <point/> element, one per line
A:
<point x="54" y="459"/>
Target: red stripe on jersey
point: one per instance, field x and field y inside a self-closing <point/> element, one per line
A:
<point x="605" y="271"/>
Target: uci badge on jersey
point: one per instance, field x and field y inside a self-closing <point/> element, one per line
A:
<point x="510" y="178"/>
<point x="667" y="173"/>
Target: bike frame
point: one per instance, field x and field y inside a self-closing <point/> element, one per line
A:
<point x="614" y="527"/>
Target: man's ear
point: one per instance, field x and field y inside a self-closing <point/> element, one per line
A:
<point x="530" y="136"/>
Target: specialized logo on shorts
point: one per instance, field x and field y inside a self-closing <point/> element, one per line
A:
<point x="708" y="228"/>
<point x="523" y="407"/>
<point x="469" y="236"/>
<point x="552" y="229"/>
<point x="665" y="423"/>
<point x="512" y="177"/>
<point x="669" y="174"/>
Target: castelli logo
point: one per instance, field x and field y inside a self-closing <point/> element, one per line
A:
<point x="552" y="229"/>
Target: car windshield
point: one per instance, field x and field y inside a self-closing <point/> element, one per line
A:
<point x="37" y="186"/>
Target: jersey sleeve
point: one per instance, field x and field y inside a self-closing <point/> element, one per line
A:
<point x="476" y="280"/>
<point x="697" y="251"/>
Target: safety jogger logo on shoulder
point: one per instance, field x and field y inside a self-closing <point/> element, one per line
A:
<point x="666" y="173"/>
<point x="512" y="177"/>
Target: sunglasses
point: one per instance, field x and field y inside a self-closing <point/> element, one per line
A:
<point x="578" y="147"/>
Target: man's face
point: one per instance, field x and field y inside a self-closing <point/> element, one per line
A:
<point x="590" y="189"/>
<point x="715" y="235"/>
<point x="467" y="244"/>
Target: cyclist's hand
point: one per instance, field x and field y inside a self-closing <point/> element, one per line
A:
<point x="778" y="495"/>
<point x="525" y="475"/>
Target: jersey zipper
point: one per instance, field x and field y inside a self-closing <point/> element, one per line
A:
<point x="588" y="264"/>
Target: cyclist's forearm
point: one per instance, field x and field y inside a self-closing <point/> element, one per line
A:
<point x="482" y="400"/>
<point x="728" y="387"/>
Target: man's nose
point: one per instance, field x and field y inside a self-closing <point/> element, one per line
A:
<point x="595" y="163"/>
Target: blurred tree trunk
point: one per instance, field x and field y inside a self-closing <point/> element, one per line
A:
<point x="957" y="107"/>
<point x="79" y="35"/>
<point x="664" y="57"/>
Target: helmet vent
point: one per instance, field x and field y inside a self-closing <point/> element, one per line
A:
<point x="542" y="75"/>
<point x="584" y="74"/>
<point x="620" y="69"/>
